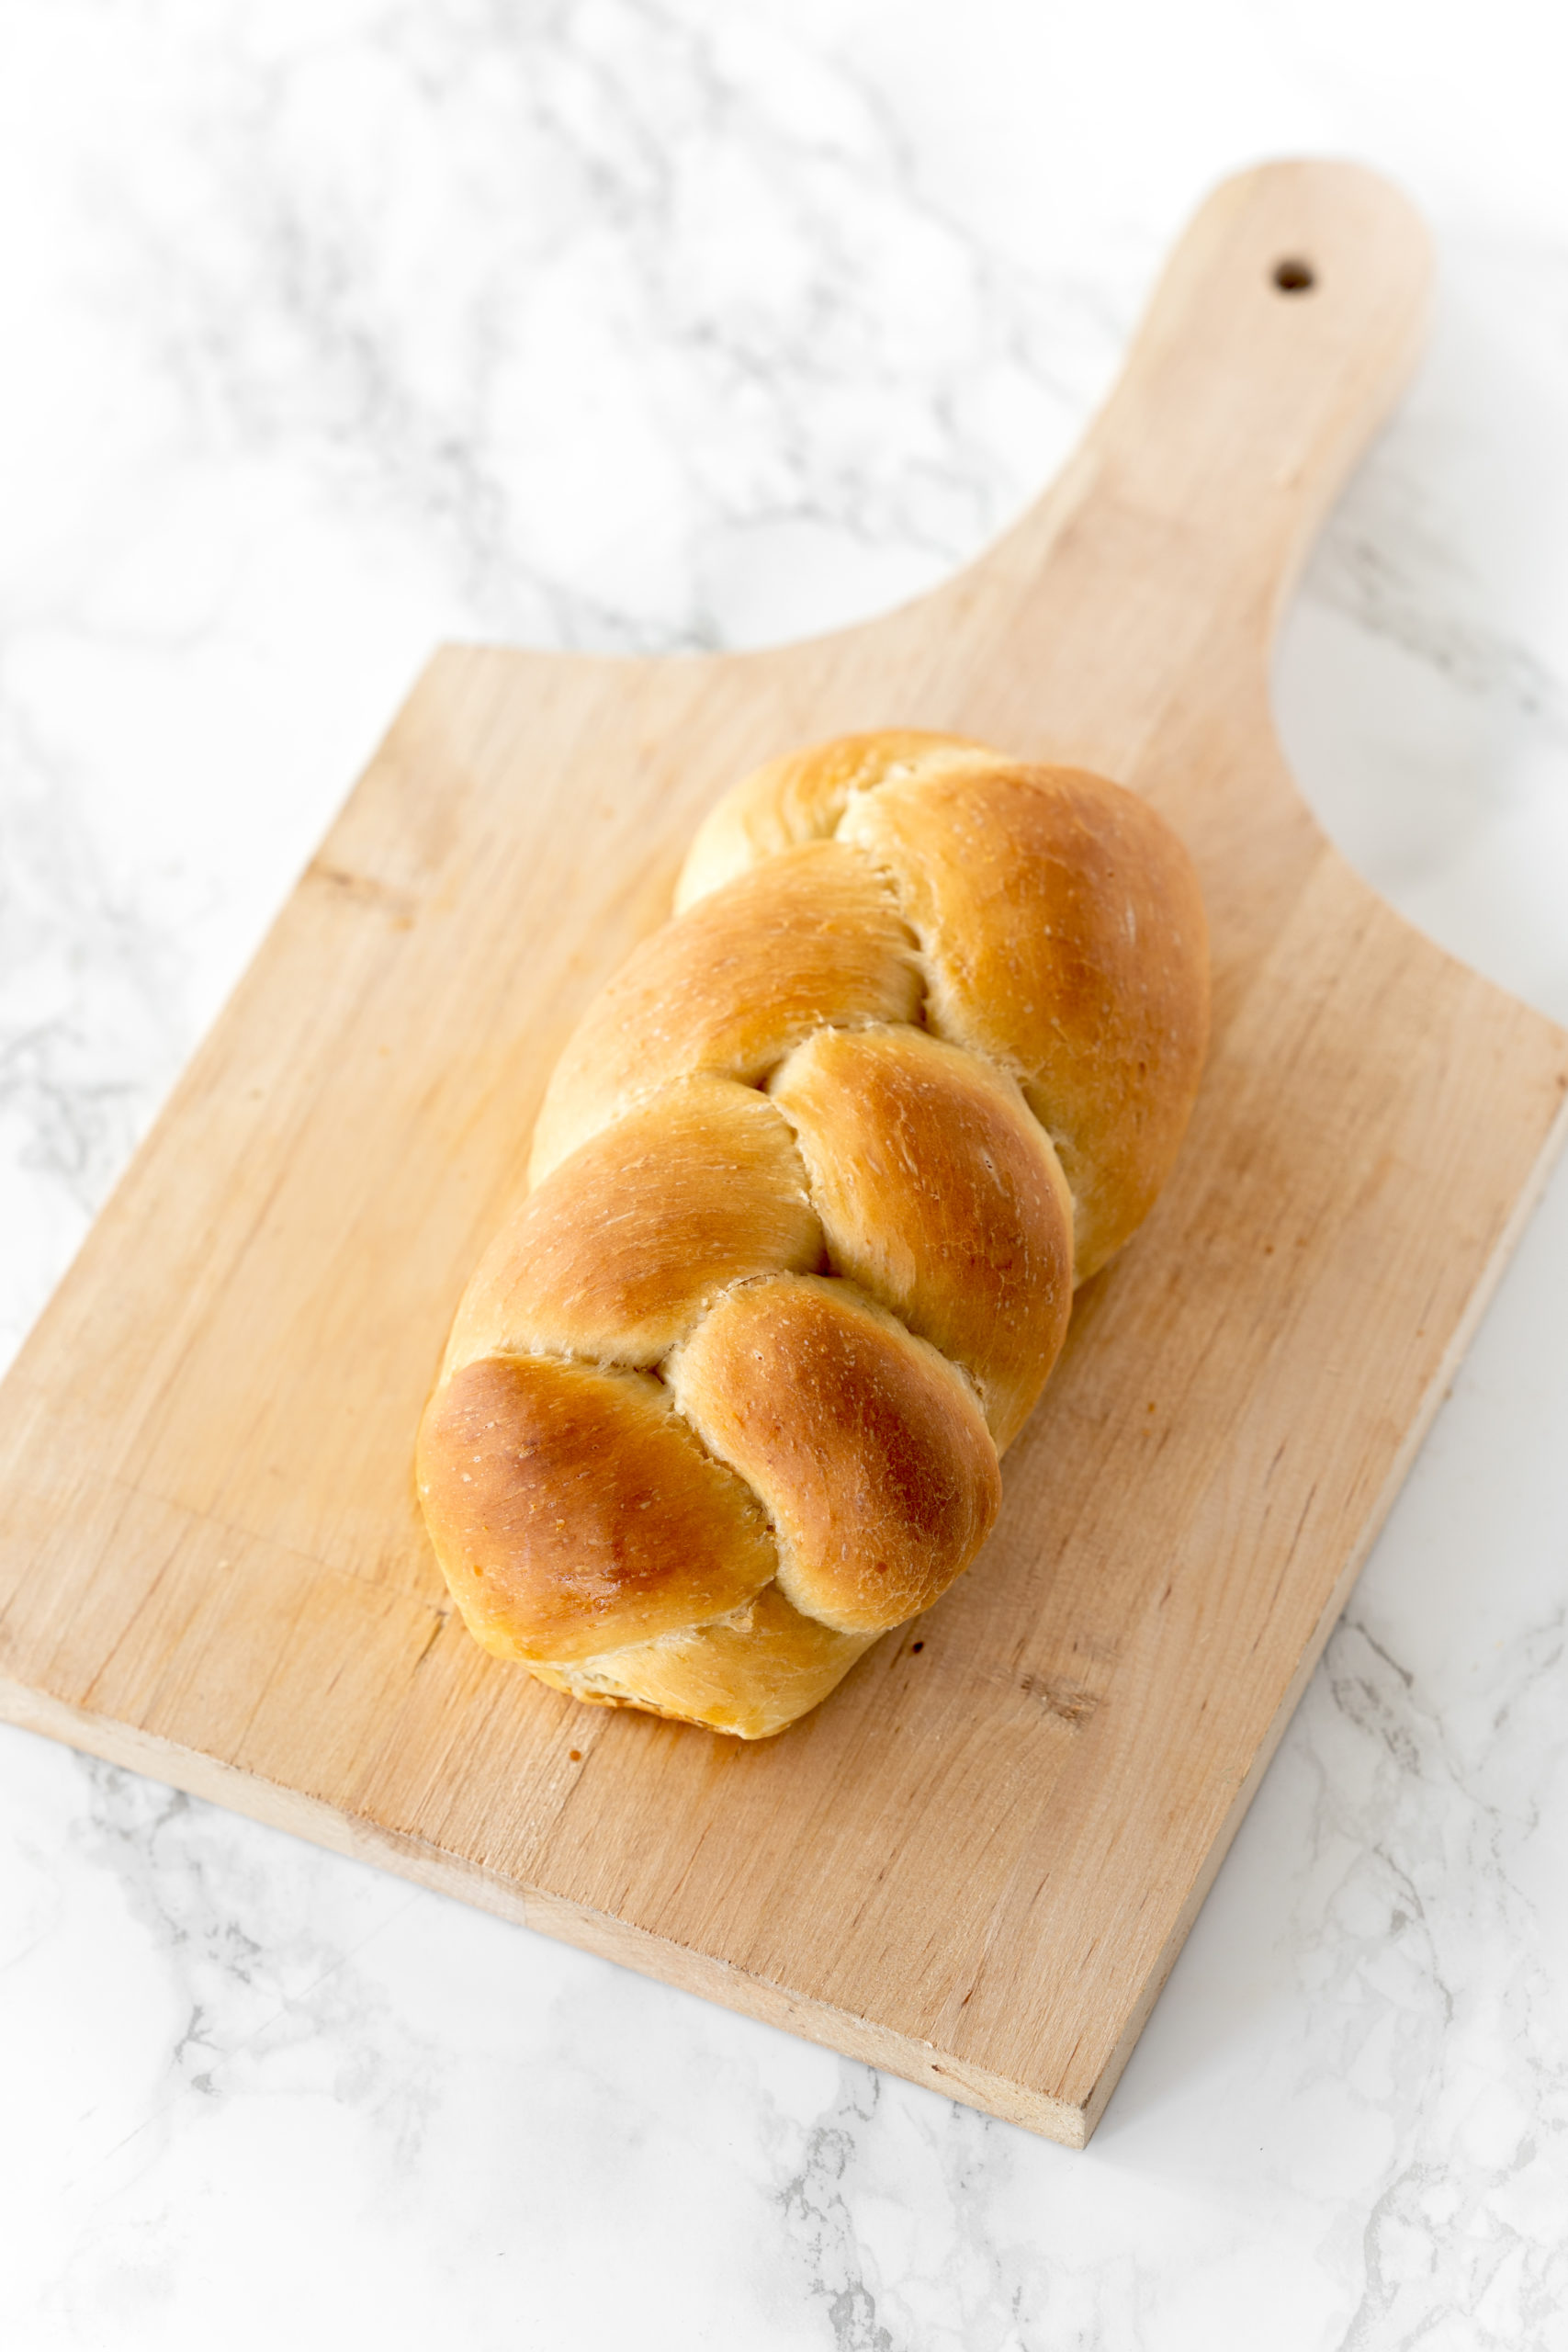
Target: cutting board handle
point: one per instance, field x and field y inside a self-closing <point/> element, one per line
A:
<point x="1279" y="336"/>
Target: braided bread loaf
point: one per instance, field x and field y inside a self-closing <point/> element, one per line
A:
<point x="811" y="1185"/>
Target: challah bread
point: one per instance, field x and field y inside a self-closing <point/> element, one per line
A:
<point x="811" y="1185"/>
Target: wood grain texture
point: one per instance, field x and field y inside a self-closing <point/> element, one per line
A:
<point x="976" y="1862"/>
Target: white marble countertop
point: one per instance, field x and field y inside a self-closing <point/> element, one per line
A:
<point x="332" y="327"/>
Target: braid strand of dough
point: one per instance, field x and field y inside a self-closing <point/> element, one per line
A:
<point x="811" y="1190"/>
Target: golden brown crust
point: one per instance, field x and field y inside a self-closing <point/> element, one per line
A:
<point x="940" y="1195"/>
<point x="574" y="1511"/>
<point x="616" y="1255"/>
<point x="867" y="1448"/>
<point x="1064" y="940"/>
<point x="729" y="988"/>
<point x="751" y="1674"/>
<point x="977" y="993"/>
<point x="803" y="797"/>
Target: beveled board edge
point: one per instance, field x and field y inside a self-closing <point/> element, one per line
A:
<point x="599" y="1932"/>
<point x="1436" y="1394"/>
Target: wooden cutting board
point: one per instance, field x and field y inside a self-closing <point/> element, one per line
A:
<point x="976" y="1862"/>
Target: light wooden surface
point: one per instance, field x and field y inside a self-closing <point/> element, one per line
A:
<point x="976" y="1862"/>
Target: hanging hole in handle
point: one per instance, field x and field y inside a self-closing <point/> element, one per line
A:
<point x="1294" y="276"/>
